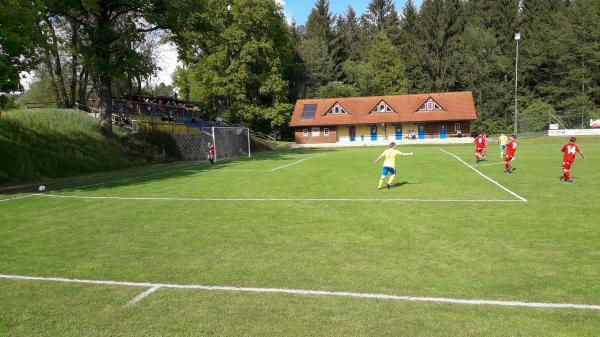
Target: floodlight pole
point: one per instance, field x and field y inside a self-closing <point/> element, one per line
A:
<point x="517" y="38"/>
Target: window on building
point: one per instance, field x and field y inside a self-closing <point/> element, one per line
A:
<point x="337" y="109"/>
<point x="326" y="131"/>
<point x="430" y="105"/>
<point x="382" y="107"/>
<point x="457" y="127"/>
<point x="305" y="132"/>
<point x="316" y="131"/>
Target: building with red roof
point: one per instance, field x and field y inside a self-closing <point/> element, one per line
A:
<point x="383" y="118"/>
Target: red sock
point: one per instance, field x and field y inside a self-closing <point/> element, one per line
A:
<point x="507" y="165"/>
<point x="567" y="174"/>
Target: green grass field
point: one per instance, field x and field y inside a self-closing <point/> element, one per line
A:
<point x="310" y="220"/>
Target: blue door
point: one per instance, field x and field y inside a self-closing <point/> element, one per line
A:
<point x="374" y="132"/>
<point x="421" y="131"/>
<point x="352" y="133"/>
<point x="398" y="131"/>
<point x="443" y="131"/>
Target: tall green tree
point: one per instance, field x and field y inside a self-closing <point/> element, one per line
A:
<point x="440" y="25"/>
<point x="545" y="33"/>
<point x="316" y="48"/>
<point x="412" y="48"/>
<point x="241" y="73"/>
<point x="388" y="67"/>
<point x="19" y="40"/>
<point x="382" y="15"/>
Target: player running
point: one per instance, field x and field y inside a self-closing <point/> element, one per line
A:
<point x="511" y="148"/>
<point x="502" y="140"/>
<point x="389" y="165"/>
<point x="569" y="151"/>
<point x="479" y="146"/>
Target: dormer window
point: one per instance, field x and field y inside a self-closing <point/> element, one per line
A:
<point x="430" y="105"/>
<point x="382" y="107"/>
<point x="337" y="109"/>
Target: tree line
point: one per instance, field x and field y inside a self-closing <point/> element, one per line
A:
<point x="241" y="60"/>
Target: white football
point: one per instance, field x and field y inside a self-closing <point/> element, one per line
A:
<point x="42" y="188"/>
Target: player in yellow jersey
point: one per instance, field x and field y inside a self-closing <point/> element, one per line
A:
<point x="502" y="140"/>
<point x="389" y="164"/>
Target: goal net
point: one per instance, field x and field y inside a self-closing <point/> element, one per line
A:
<point x="230" y="142"/>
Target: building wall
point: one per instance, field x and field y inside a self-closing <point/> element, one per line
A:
<point x="387" y="133"/>
<point x="321" y="138"/>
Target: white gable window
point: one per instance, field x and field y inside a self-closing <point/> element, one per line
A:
<point x="337" y="109"/>
<point x="457" y="127"/>
<point x="326" y="131"/>
<point x="430" y="105"/>
<point x="383" y="107"/>
<point x="305" y="132"/>
<point x="316" y="131"/>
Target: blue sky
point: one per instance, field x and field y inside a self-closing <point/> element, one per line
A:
<point x="299" y="9"/>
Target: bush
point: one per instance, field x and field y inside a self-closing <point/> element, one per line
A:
<point x="535" y="117"/>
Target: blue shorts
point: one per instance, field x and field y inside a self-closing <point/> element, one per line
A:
<point x="385" y="170"/>
<point x="502" y="147"/>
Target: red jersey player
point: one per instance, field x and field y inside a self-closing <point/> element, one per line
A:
<point x="511" y="147"/>
<point x="479" y="146"/>
<point x="569" y="151"/>
<point x="211" y="153"/>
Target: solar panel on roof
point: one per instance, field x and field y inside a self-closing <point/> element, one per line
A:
<point x="308" y="111"/>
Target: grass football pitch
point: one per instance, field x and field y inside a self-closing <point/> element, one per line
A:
<point x="310" y="220"/>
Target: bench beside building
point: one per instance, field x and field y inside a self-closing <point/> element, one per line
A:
<point x="381" y="119"/>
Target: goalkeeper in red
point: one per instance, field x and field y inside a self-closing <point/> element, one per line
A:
<point x="569" y="150"/>
<point x="511" y="148"/>
<point x="389" y="164"/>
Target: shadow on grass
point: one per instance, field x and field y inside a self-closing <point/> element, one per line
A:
<point x="150" y="173"/>
<point x="402" y="183"/>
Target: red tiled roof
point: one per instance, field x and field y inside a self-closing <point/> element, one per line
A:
<point x="456" y="106"/>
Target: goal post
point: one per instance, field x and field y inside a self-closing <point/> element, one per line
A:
<point x="231" y="142"/>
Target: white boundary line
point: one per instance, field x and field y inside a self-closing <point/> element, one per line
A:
<point x="486" y="177"/>
<point x="83" y="197"/>
<point x="144" y="294"/>
<point x="21" y="197"/>
<point x="155" y="286"/>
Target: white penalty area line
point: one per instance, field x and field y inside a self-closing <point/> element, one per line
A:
<point x="144" y="294"/>
<point x="500" y="162"/>
<point x="294" y="163"/>
<point x="82" y="197"/>
<point x="486" y="177"/>
<point x="155" y="286"/>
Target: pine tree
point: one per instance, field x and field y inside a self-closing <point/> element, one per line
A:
<point x="412" y="48"/>
<point x="319" y="22"/>
<point x="383" y="17"/>
<point x="340" y="47"/>
<point x="388" y="68"/>
<point x="440" y="25"/>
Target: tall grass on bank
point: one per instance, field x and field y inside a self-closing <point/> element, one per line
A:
<point x="46" y="143"/>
